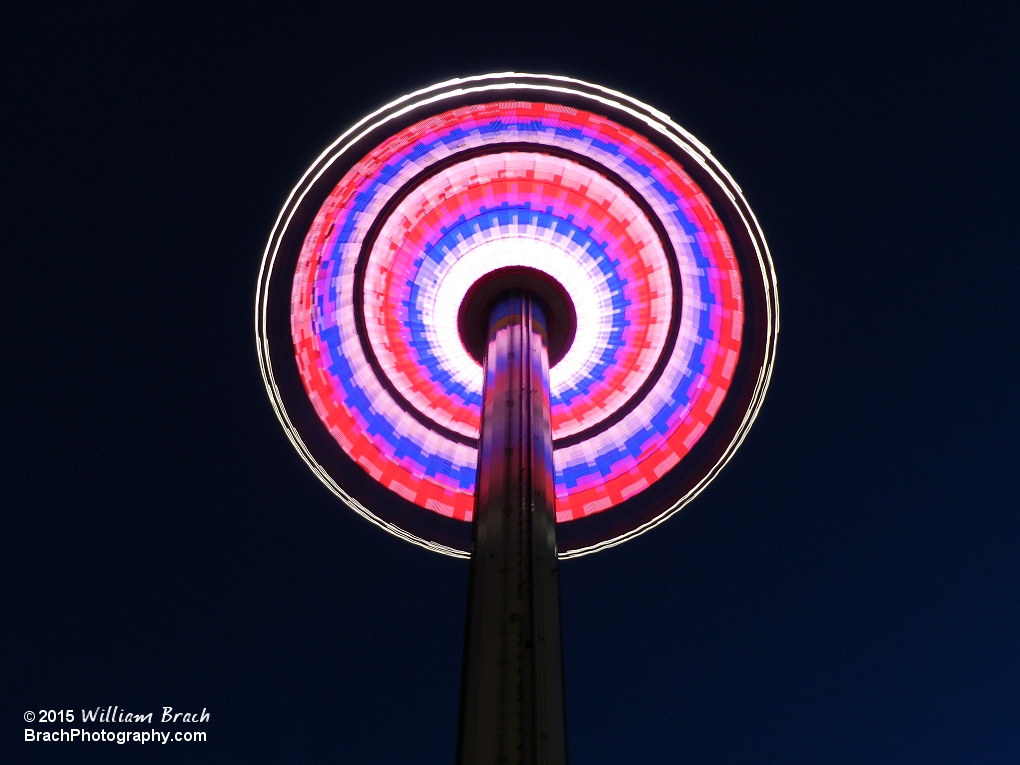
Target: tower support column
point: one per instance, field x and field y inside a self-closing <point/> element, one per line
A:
<point x="512" y="708"/>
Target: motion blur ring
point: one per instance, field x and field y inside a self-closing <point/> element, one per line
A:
<point x="661" y="290"/>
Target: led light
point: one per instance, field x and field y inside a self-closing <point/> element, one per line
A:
<point x="592" y="203"/>
<point x="499" y="229"/>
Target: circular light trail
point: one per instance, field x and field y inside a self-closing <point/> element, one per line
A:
<point x="375" y="251"/>
<point x="496" y="196"/>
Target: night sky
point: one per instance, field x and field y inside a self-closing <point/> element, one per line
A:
<point x="847" y="591"/>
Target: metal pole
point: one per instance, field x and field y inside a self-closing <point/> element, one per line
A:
<point x="512" y="687"/>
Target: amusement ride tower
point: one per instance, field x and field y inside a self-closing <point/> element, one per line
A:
<point x="517" y="319"/>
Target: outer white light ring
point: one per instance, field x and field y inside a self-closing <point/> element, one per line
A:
<point x="543" y="86"/>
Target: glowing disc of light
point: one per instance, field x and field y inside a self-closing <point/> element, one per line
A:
<point x="617" y="219"/>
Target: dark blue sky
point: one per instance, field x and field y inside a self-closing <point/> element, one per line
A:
<point x="846" y="592"/>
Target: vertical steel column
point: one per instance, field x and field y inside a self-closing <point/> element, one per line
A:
<point x="511" y="708"/>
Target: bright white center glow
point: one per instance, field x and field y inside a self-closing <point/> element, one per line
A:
<point x="542" y="255"/>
